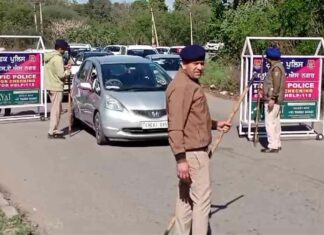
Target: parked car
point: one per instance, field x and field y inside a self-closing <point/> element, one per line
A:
<point x="141" y="50"/>
<point x="170" y="63"/>
<point x="121" y="97"/>
<point x="163" y="50"/>
<point x="84" y="55"/>
<point x="75" y="48"/>
<point x="116" y="49"/>
<point x="176" y="49"/>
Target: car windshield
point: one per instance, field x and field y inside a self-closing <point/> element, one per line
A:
<point x="76" y="51"/>
<point x="134" y="77"/>
<point x="162" y="50"/>
<point x="141" y="52"/>
<point x="169" y="64"/>
<point x="175" y="50"/>
<point x="113" y="48"/>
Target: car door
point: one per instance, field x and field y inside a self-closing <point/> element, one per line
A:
<point x="82" y="94"/>
<point x="93" y="96"/>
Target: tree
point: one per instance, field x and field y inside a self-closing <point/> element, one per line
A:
<point x="99" y="10"/>
<point x="158" y="5"/>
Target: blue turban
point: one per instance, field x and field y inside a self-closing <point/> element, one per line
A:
<point x="192" y="53"/>
<point x="61" y="43"/>
<point x="273" y="53"/>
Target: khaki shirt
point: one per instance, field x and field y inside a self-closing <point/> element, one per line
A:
<point x="274" y="83"/>
<point x="54" y="71"/>
<point x="188" y="115"/>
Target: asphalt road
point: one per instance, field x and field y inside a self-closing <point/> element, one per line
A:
<point x="73" y="186"/>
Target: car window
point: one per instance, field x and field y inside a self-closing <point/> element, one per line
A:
<point x="175" y="50"/>
<point x="78" y="59"/>
<point x="123" y="50"/>
<point x="169" y="64"/>
<point x="84" y="71"/>
<point x="113" y="48"/>
<point x="162" y="50"/>
<point x="92" y="75"/>
<point x="134" y="77"/>
<point x="141" y="52"/>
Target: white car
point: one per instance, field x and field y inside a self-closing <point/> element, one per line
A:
<point x="141" y="50"/>
<point x="176" y="49"/>
<point x="163" y="50"/>
<point x="78" y="47"/>
<point x="116" y="49"/>
<point x="214" y="45"/>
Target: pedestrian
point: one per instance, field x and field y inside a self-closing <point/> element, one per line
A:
<point x="189" y="127"/>
<point x="273" y="94"/>
<point x="55" y="75"/>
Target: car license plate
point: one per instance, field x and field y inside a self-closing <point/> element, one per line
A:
<point x="155" y="125"/>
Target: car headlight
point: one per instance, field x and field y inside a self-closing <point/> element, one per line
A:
<point x="113" y="104"/>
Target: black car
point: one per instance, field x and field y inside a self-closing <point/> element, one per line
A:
<point x="81" y="56"/>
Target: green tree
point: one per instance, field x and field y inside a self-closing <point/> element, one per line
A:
<point x="158" y="5"/>
<point x="248" y="20"/>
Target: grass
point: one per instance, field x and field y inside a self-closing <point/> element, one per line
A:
<point x="15" y="226"/>
<point x="223" y="77"/>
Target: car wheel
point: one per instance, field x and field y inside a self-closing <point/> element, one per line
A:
<point x="100" y="137"/>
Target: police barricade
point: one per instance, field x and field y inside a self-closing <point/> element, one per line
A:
<point x="22" y="81"/>
<point x="301" y="108"/>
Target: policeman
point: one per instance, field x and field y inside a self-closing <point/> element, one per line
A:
<point x="273" y="95"/>
<point x="189" y="127"/>
<point x="55" y="75"/>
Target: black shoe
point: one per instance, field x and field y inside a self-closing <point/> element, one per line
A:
<point x="266" y="150"/>
<point x="55" y="136"/>
<point x="7" y="112"/>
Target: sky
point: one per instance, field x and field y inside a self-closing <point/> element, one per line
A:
<point x="169" y="3"/>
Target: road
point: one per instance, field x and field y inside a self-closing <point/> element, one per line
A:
<point x="74" y="186"/>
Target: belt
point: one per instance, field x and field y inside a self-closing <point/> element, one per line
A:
<point x="201" y="149"/>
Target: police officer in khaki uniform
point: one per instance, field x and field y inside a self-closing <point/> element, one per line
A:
<point x="189" y="129"/>
<point x="273" y="95"/>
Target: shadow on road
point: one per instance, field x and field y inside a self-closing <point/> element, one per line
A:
<point x="115" y="143"/>
<point x="223" y="207"/>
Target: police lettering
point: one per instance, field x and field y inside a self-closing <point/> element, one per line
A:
<point x="25" y="76"/>
<point x="301" y="85"/>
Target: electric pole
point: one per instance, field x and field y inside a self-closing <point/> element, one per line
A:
<point x="191" y="36"/>
<point x="41" y="17"/>
<point x="155" y="32"/>
<point x="35" y="17"/>
<point x="39" y="2"/>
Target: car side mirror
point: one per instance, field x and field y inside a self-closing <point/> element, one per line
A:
<point x="85" y="86"/>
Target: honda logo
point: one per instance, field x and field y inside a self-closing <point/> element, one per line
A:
<point x="155" y="114"/>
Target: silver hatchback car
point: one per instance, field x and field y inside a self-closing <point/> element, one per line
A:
<point x="121" y="97"/>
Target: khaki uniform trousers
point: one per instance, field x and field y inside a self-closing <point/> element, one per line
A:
<point x="194" y="200"/>
<point x="56" y="100"/>
<point x="273" y="126"/>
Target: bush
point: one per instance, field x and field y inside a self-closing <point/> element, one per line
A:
<point x="223" y="77"/>
<point x="16" y="225"/>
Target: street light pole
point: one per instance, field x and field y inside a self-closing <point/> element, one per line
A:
<point x="35" y="17"/>
<point x="41" y="18"/>
<point x="154" y="27"/>
<point x="191" y="36"/>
